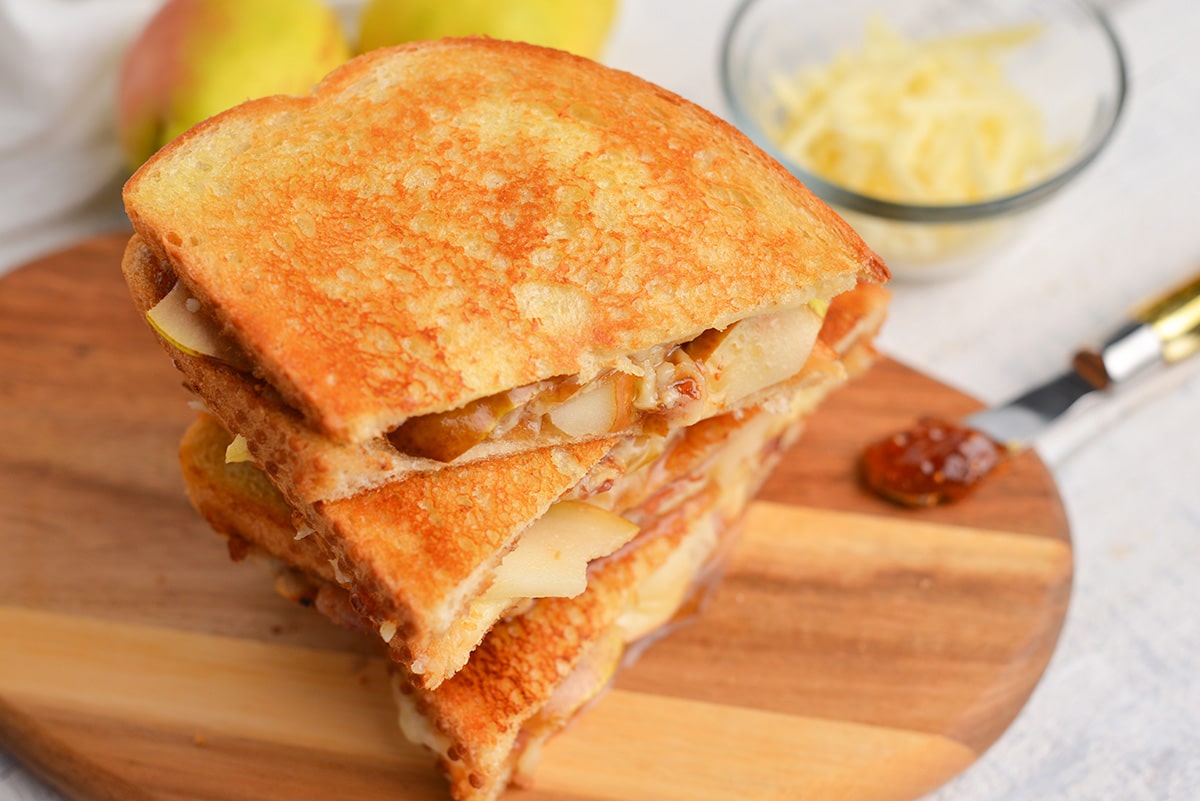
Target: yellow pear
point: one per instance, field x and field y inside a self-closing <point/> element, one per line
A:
<point x="578" y="26"/>
<point x="196" y="58"/>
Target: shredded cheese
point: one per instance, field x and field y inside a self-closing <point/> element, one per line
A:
<point x="932" y="122"/>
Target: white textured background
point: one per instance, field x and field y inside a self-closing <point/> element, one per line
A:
<point x="1118" y="713"/>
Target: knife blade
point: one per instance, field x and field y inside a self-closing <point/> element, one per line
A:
<point x="1163" y="331"/>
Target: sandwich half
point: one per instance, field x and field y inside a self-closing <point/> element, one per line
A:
<point x="544" y="662"/>
<point x="463" y="249"/>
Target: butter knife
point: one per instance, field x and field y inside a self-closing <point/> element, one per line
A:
<point x="937" y="461"/>
<point x="1163" y="331"/>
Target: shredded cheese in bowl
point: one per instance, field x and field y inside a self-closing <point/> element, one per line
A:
<point x="928" y="123"/>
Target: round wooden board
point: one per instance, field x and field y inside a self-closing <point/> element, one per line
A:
<point x="855" y="651"/>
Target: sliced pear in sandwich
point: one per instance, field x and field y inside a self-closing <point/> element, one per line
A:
<point x="448" y="435"/>
<point x="604" y="406"/>
<point x="180" y="320"/>
<point x="757" y="352"/>
<point x="551" y="557"/>
<point x="238" y="451"/>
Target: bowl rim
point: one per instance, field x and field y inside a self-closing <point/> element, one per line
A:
<point x="837" y="195"/>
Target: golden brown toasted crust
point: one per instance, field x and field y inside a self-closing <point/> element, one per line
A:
<point x="445" y="220"/>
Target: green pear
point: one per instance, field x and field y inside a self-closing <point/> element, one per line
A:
<point x="196" y="58"/>
<point x="578" y="26"/>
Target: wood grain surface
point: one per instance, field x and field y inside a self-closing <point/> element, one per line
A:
<point x="855" y="651"/>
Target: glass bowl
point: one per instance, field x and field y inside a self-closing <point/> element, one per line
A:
<point x="1071" y="68"/>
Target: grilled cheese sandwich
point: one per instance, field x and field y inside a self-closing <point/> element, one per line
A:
<point x="489" y="367"/>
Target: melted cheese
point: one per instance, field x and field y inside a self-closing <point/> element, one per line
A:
<point x="658" y="597"/>
<point x="415" y="726"/>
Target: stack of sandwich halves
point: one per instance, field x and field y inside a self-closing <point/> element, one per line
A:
<point x="494" y="344"/>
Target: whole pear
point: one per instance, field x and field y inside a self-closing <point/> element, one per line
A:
<point x="196" y="58"/>
<point x="578" y="26"/>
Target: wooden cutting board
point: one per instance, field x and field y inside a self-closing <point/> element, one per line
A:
<point x="855" y="651"/>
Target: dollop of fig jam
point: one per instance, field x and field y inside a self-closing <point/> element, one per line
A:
<point x="932" y="463"/>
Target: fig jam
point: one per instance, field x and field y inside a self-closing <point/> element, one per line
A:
<point x="932" y="463"/>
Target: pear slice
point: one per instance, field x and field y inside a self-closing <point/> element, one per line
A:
<point x="446" y="436"/>
<point x="180" y="320"/>
<point x="757" y="352"/>
<point x="551" y="557"/>
<point x="237" y="451"/>
<point x="599" y="409"/>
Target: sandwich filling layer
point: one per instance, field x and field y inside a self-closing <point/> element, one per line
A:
<point x="655" y="390"/>
<point x="309" y="467"/>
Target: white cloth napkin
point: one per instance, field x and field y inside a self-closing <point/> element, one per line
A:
<point x="60" y="165"/>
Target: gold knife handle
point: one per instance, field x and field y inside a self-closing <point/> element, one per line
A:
<point x="1175" y="319"/>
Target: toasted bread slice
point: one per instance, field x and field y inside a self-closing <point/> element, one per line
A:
<point x="443" y="221"/>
